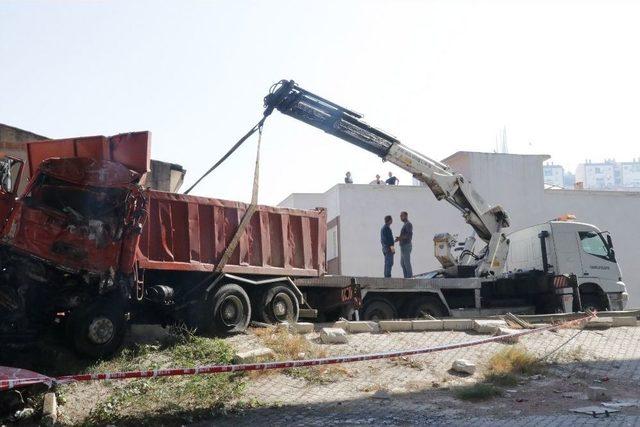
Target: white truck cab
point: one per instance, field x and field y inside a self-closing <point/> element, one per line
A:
<point x="566" y="247"/>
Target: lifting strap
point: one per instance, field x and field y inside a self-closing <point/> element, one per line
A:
<point x="250" y="210"/>
<point x="257" y="127"/>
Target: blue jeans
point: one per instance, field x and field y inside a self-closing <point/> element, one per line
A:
<point x="405" y="260"/>
<point x="388" y="261"/>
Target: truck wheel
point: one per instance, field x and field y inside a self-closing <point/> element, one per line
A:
<point x="231" y="311"/>
<point x="379" y="309"/>
<point x="279" y="304"/>
<point x="98" y="329"/>
<point x="593" y="302"/>
<point x="426" y="306"/>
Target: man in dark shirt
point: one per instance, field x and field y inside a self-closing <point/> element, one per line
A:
<point x="388" y="245"/>
<point x="405" y="238"/>
<point x="392" y="180"/>
<point x="348" y="179"/>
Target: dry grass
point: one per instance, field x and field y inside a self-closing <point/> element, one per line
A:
<point x="292" y="346"/>
<point x="505" y="367"/>
<point x="477" y="392"/>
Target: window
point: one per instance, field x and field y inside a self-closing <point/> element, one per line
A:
<point x="593" y="244"/>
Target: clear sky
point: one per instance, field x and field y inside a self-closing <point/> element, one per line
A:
<point x="442" y="76"/>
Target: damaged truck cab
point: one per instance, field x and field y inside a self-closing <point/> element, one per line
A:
<point x="67" y="248"/>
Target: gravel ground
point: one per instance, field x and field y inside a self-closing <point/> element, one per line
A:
<point x="417" y="390"/>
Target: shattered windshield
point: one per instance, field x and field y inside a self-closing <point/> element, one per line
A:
<point x="81" y="203"/>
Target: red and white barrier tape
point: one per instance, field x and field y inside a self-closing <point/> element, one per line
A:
<point x="15" y="378"/>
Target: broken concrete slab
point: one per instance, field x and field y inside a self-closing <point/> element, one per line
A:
<point x="49" y="410"/>
<point x="342" y="324"/>
<point x="302" y="327"/>
<point x="457" y="324"/>
<point x="333" y="336"/>
<point x="488" y="326"/>
<point x="395" y="325"/>
<point x="427" y="325"/>
<point x="464" y="366"/>
<point x="599" y="394"/>
<point x="594" y="410"/>
<point x="625" y="321"/>
<point x="260" y="354"/>
<point x="622" y="403"/>
<point x="363" y="326"/>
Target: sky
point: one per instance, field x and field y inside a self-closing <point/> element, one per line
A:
<point x="442" y="76"/>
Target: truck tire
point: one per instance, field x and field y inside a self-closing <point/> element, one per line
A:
<point x="593" y="302"/>
<point x="98" y="329"/>
<point x="426" y="305"/>
<point x="230" y="311"/>
<point x="279" y="304"/>
<point x="379" y="309"/>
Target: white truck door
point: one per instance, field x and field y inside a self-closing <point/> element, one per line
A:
<point x="594" y="254"/>
<point x="565" y="243"/>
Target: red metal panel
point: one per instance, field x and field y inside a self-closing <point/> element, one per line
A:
<point x="190" y="233"/>
<point x="130" y="149"/>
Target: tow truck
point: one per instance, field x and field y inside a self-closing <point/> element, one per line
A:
<point x="560" y="266"/>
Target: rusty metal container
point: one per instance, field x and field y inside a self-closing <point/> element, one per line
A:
<point x="190" y="233"/>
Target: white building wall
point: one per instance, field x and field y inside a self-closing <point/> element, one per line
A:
<point x="515" y="181"/>
<point x="553" y="175"/>
<point x="630" y="174"/>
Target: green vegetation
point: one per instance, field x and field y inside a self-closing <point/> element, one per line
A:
<point x="477" y="392"/>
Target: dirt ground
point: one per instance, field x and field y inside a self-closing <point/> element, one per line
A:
<point x="414" y="390"/>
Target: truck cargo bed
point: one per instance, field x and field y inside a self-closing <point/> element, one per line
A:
<point x="191" y="233"/>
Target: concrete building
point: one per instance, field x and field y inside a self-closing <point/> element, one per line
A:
<point x="610" y="175"/>
<point x="553" y="175"/>
<point x="355" y="213"/>
<point x="630" y="174"/>
<point x="597" y="176"/>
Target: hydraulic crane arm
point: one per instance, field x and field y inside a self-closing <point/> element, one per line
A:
<point x="292" y="100"/>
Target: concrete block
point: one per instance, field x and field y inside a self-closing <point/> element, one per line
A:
<point x="260" y="354"/>
<point x="488" y="326"/>
<point x="333" y="336"/>
<point x="342" y="324"/>
<point x="49" y="410"/>
<point x="356" y="327"/>
<point x="426" y="325"/>
<point x="508" y="331"/>
<point x="464" y="366"/>
<point x="395" y="325"/>
<point x="457" y="324"/>
<point x="302" y="327"/>
<point x="599" y="323"/>
<point x="625" y="321"/>
<point x="599" y="394"/>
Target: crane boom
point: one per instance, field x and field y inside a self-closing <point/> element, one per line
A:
<point x="290" y="99"/>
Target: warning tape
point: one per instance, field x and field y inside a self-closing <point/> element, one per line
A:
<point x="26" y="378"/>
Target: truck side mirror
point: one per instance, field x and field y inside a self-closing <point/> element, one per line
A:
<point x="10" y="174"/>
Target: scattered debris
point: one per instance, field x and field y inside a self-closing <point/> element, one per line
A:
<point x="333" y="336"/>
<point x="515" y="320"/>
<point x="598" y="393"/>
<point x="575" y="395"/>
<point x="594" y="410"/>
<point x="252" y="356"/>
<point x="23" y="414"/>
<point x="622" y="403"/>
<point x="464" y="366"/>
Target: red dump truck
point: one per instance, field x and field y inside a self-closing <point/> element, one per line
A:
<point x="88" y="249"/>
